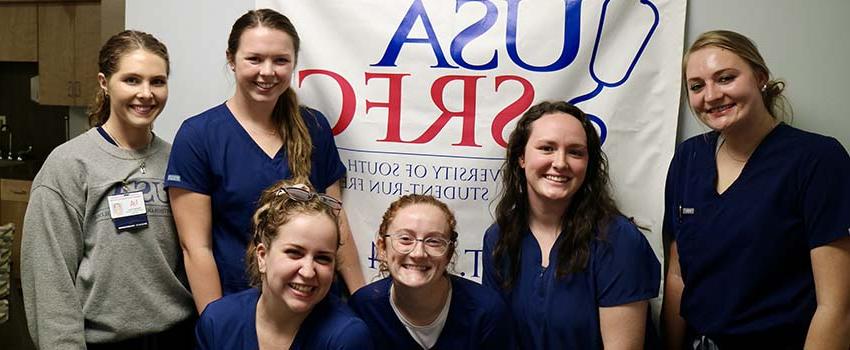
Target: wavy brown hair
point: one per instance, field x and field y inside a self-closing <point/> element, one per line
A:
<point x="110" y="54"/>
<point x="286" y="114"/>
<point x="274" y="210"/>
<point x="406" y="201"/>
<point x="772" y="92"/>
<point x="590" y="209"/>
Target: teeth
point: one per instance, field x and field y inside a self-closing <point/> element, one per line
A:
<point x="301" y="288"/>
<point x="719" y="108"/>
<point x="142" y="109"/>
<point x="557" y="178"/>
<point x="416" y="267"/>
<point x="265" y="85"/>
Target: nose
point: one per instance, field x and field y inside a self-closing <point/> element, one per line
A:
<point x="308" y="269"/>
<point x="145" y="91"/>
<point x="560" y="161"/>
<point x="712" y="92"/>
<point x="418" y="250"/>
<point x="266" y="68"/>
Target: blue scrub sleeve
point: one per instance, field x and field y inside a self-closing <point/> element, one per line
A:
<point x="626" y="269"/>
<point x="204" y="334"/>
<point x="489" y="277"/>
<point x="826" y="195"/>
<point x="671" y="207"/>
<point x="355" y="336"/>
<point x="498" y="332"/>
<point x="188" y="165"/>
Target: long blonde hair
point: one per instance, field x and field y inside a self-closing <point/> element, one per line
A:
<point x="286" y="114"/>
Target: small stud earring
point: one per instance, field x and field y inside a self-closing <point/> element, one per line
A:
<point x="764" y="88"/>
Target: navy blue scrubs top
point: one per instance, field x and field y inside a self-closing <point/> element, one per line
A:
<point x="563" y="313"/>
<point x="213" y="155"/>
<point x="477" y="319"/>
<point x="745" y="254"/>
<point x="229" y="323"/>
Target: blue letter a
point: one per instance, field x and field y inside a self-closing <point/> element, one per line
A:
<point x="417" y="10"/>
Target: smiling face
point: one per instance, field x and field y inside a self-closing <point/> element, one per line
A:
<point x="416" y="269"/>
<point x="723" y="89"/>
<point x="137" y="90"/>
<point x="263" y="64"/>
<point x="555" y="160"/>
<point x="298" y="267"/>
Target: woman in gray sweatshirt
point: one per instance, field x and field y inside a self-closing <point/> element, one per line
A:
<point x="101" y="265"/>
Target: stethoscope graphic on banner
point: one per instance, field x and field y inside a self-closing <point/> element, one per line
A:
<point x="601" y="84"/>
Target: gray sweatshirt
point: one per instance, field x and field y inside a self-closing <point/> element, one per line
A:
<point x="83" y="280"/>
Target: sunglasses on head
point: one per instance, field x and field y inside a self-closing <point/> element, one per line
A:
<point x="304" y="195"/>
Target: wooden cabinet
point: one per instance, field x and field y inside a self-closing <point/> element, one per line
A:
<point x="19" y="32"/>
<point x="14" y="196"/>
<point x="68" y="43"/>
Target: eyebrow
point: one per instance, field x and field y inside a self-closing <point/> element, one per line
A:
<point x="300" y="247"/>
<point x="138" y="75"/>
<point x="719" y="72"/>
<point x="251" y="53"/>
<point x="427" y="234"/>
<point x="546" y="141"/>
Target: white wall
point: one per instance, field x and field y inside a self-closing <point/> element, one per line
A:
<point x="195" y="32"/>
<point x="804" y="42"/>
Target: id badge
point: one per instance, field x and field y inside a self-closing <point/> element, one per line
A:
<point x="128" y="211"/>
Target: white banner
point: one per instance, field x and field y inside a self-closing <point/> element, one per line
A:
<point x="422" y="95"/>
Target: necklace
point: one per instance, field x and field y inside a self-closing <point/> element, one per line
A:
<point x="142" y="164"/>
<point x="254" y="129"/>
<point x="264" y="131"/>
<point x="729" y="154"/>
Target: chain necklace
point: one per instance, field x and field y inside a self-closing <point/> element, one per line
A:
<point x="142" y="163"/>
<point x="259" y="130"/>
<point x="729" y="154"/>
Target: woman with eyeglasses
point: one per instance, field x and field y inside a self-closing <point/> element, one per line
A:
<point x="420" y="305"/>
<point x="576" y="273"/>
<point x="291" y="261"/>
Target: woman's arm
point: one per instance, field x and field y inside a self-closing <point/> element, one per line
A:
<point x="623" y="326"/>
<point x="350" y="268"/>
<point x="193" y="215"/>
<point x="673" y="325"/>
<point x="830" y="327"/>
<point x="52" y="247"/>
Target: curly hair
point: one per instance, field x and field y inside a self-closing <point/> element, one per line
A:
<point x="406" y="201"/>
<point x="590" y="209"/>
<point x="274" y="210"/>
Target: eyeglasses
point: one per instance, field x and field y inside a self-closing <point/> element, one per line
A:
<point x="404" y="243"/>
<point x="305" y="195"/>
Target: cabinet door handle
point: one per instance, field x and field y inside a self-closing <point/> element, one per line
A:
<point x="70" y="89"/>
<point x="19" y="192"/>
